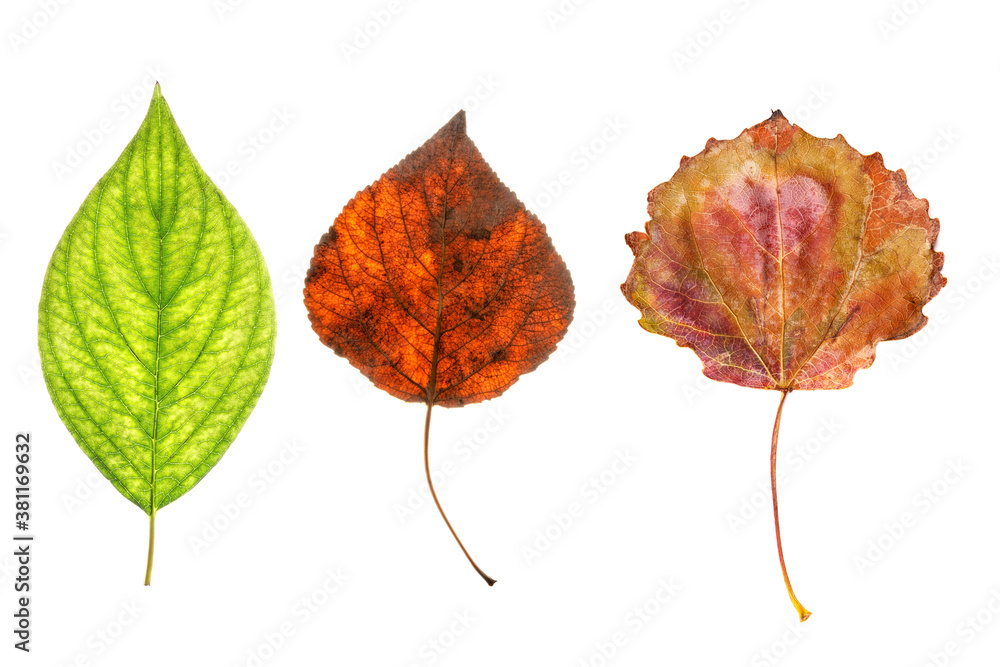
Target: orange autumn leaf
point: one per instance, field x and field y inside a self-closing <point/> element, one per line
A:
<point x="437" y="283"/>
<point x="782" y="259"/>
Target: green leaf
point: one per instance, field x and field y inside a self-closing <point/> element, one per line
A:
<point x="156" y="325"/>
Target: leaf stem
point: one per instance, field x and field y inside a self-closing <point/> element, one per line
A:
<point x="149" y="555"/>
<point x="430" y="483"/>
<point x="803" y="612"/>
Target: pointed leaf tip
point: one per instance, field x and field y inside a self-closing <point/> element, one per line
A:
<point x="157" y="101"/>
<point x="456" y="125"/>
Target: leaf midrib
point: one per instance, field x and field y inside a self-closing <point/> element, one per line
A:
<point x="159" y="311"/>
<point x="439" y="280"/>
<point x="438" y="332"/>
<point x="781" y="260"/>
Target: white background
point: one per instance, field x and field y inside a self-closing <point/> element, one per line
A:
<point x="924" y="94"/>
